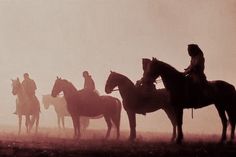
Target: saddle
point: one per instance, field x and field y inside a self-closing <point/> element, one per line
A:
<point x="198" y="93"/>
<point x="90" y="96"/>
<point x="147" y="95"/>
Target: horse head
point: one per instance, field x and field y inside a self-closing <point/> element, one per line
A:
<point x="16" y="86"/>
<point x="62" y="85"/>
<point x="152" y="71"/>
<point x="57" y="87"/>
<point x="111" y="82"/>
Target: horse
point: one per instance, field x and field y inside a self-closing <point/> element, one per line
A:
<point x="59" y="104"/>
<point x="183" y="95"/>
<point x="25" y="106"/>
<point x="86" y="103"/>
<point x="135" y="102"/>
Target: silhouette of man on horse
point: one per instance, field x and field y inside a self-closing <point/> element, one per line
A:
<point x="195" y="71"/>
<point x="197" y="65"/>
<point x="89" y="86"/>
<point x="146" y="87"/>
<point x="30" y="87"/>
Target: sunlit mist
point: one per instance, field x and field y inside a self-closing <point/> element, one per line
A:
<point x="63" y="38"/>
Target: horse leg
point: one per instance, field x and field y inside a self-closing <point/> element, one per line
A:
<point x="116" y="121"/>
<point x="31" y="122"/>
<point x="27" y="123"/>
<point x="179" y="126"/>
<point x="37" y="123"/>
<point x="232" y="131"/>
<point x="58" y="122"/>
<point x="63" y="122"/>
<point x="172" y="118"/>
<point x="223" y="118"/>
<point x="173" y="133"/>
<point x="132" y="124"/>
<point x="109" y="125"/>
<point x="78" y="126"/>
<point x="232" y="123"/>
<point x="75" y="125"/>
<point x="20" y="120"/>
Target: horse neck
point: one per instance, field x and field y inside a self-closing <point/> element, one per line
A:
<point x="69" y="90"/>
<point x="172" y="78"/>
<point x="21" y="94"/>
<point x="126" y="88"/>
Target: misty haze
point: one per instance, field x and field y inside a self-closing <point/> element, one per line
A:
<point x="75" y="40"/>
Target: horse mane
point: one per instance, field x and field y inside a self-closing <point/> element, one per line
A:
<point x="123" y="77"/>
<point x="70" y="85"/>
<point x="172" y="70"/>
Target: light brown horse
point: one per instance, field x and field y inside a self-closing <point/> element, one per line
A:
<point x="84" y="103"/>
<point x="26" y="106"/>
<point x="60" y="107"/>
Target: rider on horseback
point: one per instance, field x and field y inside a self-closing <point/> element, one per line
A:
<point x="146" y="87"/>
<point x="30" y="88"/>
<point x="89" y="85"/>
<point x="88" y="81"/>
<point x="196" y="68"/>
<point x="29" y="85"/>
<point x="195" y="71"/>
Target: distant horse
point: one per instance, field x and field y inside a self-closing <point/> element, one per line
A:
<point x="183" y="95"/>
<point x="25" y="106"/>
<point x="134" y="101"/>
<point x="82" y="103"/>
<point x="60" y="107"/>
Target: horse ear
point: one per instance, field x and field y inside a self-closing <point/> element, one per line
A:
<point x="18" y="79"/>
<point x="154" y="59"/>
<point x="111" y="71"/>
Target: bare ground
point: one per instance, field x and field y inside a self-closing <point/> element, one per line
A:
<point x="51" y="143"/>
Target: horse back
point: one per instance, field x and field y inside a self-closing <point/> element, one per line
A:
<point x="223" y="90"/>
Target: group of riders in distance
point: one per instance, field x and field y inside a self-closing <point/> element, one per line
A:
<point x="188" y="89"/>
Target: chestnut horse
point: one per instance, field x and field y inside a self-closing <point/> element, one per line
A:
<point x="84" y="103"/>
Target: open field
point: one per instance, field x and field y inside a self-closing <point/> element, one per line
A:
<point x="51" y="143"/>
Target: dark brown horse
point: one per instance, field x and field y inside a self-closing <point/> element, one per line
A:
<point x="83" y="103"/>
<point x="135" y="102"/>
<point x="183" y="95"/>
<point x="26" y="106"/>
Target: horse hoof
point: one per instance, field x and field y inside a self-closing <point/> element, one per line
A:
<point x="222" y="141"/>
<point x="179" y="141"/>
<point x="230" y="142"/>
<point x="172" y="140"/>
<point x="131" y="139"/>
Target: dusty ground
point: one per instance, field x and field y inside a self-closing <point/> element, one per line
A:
<point x="51" y="143"/>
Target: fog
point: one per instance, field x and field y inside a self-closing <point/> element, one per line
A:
<point x="65" y="37"/>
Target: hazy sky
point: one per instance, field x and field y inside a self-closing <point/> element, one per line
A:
<point x="65" y="37"/>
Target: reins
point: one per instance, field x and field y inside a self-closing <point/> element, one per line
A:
<point x="115" y="90"/>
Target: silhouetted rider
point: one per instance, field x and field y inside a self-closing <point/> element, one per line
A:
<point x="88" y="81"/>
<point x="29" y="86"/>
<point x="197" y="65"/>
<point x="89" y="85"/>
<point x="146" y="82"/>
<point x="147" y="87"/>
